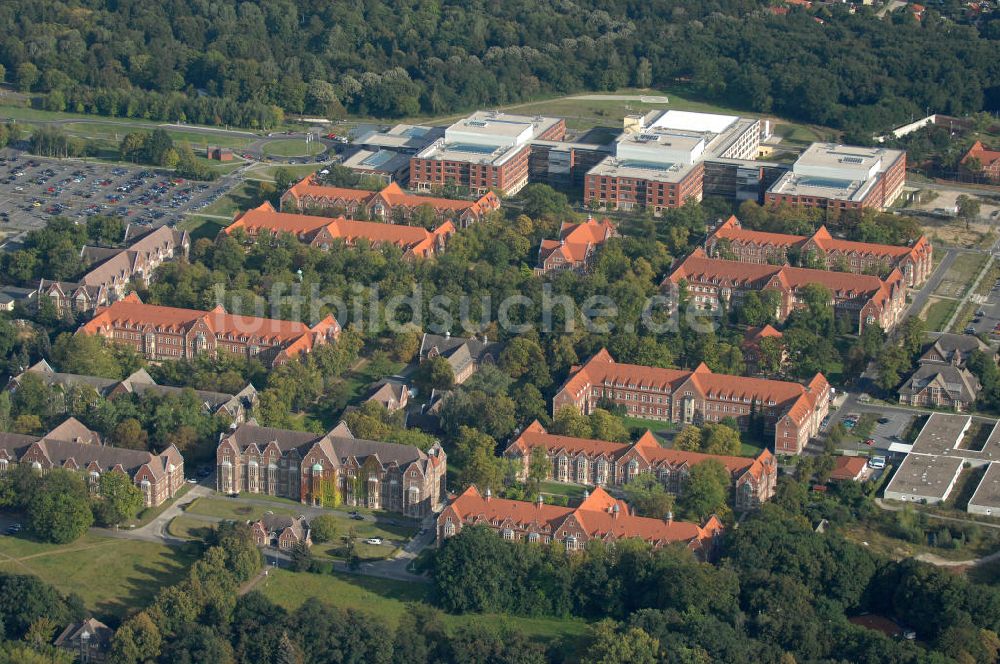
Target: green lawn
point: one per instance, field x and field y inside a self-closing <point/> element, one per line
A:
<point x="363" y="550"/>
<point x="656" y="426"/>
<point x="112" y="576"/>
<point x="562" y="489"/>
<point x="266" y="173"/>
<point x="151" y="513"/>
<point x="241" y="198"/>
<point x="387" y="599"/>
<point x="200" y="227"/>
<point x="187" y="527"/>
<point x="228" y="508"/>
<point x="960" y="275"/>
<point x="937" y="312"/>
<point x="115" y="131"/>
<point x="292" y="147"/>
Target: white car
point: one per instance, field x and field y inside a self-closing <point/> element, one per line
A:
<point x="877" y="462"/>
<point x="373" y="540"/>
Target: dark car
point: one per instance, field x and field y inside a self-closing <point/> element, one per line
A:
<point x="883" y="420"/>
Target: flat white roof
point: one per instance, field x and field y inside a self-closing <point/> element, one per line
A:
<point x="690" y="121"/>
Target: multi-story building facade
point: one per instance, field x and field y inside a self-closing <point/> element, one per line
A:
<point x="322" y="232"/>
<point x="730" y="240"/>
<point x="658" y="162"/>
<point x="170" y="333"/>
<point x="330" y="469"/>
<point x="791" y="410"/>
<point x="112" y="270"/>
<point x="859" y="298"/>
<point x="73" y="446"/>
<point x="576" y="247"/>
<point x="599" y="517"/>
<point x="488" y="151"/>
<point x="390" y="204"/>
<point x="603" y="463"/>
<point x="841" y="177"/>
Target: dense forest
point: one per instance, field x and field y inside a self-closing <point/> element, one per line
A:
<point x="247" y="63"/>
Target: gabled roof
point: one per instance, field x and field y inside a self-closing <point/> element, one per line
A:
<point x="699" y="267"/>
<point x="732" y="231"/>
<point x="754" y="335"/>
<point x="600" y="515"/>
<point x="131" y="312"/>
<point x="394" y="196"/>
<point x="577" y="240"/>
<point x="602" y="369"/>
<point x="960" y="383"/>
<point x="338" y="444"/>
<point x="987" y="158"/>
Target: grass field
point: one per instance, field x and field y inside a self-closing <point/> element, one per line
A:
<point x="292" y="147"/>
<point x="388" y="599"/>
<point x="188" y="527"/>
<point x="960" y="275"/>
<point x="247" y="195"/>
<point x="571" y="491"/>
<point x="227" y="508"/>
<point x="111" y="575"/>
<point x="954" y="233"/>
<point x="937" y="312"/>
<point x="266" y="173"/>
<point x="151" y="513"/>
<point x="200" y="227"/>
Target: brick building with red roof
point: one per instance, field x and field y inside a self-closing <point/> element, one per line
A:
<point x="323" y="232"/>
<point x="730" y="240"/>
<point x="391" y="204"/>
<point x="752" y="350"/>
<point x="599" y="517"/>
<point x="170" y="333"/>
<point x="576" y="247"/>
<point x="598" y="463"/>
<point x="791" y="410"/>
<point x="860" y="298"/>
<point x="989" y="160"/>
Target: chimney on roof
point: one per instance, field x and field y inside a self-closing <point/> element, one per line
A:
<point x="486" y="339"/>
<point x="489" y="494"/>
<point x="670" y="517"/>
<point x="540" y="501"/>
<point x="447" y="335"/>
<point x="615" y="510"/>
<point x="586" y="494"/>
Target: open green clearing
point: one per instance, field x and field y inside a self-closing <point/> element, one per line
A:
<point x="151" y="513"/>
<point x="266" y="173"/>
<point x="228" y="508"/>
<point x="961" y="274"/>
<point x="387" y="599"/>
<point x="187" y="527"/>
<point x="292" y="147"/>
<point x="246" y="195"/>
<point x="937" y="312"/>
<point x="200" y="227"/>
<point x="111" y="575"/>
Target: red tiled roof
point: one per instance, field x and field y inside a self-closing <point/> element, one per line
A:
<point x="265" y="218"/>
<point x="732" y="231"/>
<point x="132" y="311"/>
<point x="602" y="368"/>
<point x="576" y="240"/>
<point x="392" y="194"/>
<point x="699" y="267"/>
<point x="755" y="334"/>
<point x="848" y="468"/>
<point x="987" y="158"/>
<point x="595" y="515"/>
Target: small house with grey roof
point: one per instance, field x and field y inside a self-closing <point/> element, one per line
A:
<point x="465" y="355"/>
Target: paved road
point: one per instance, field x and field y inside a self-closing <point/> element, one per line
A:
<point x="391" y="568"/>
<point x="920" y="297"/>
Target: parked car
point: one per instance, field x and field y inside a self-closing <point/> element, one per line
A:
<point x="870" y="442"/>
<point x="883" y="420"/>
<point x="358" y="517"/>
<point x="373" y="540"/>
<point x="877" y="462"/>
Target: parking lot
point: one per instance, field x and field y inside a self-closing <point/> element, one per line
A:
<point x="987" y="315"/>
<point x="32" y="189"/>
<point x="890" y="427"/>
